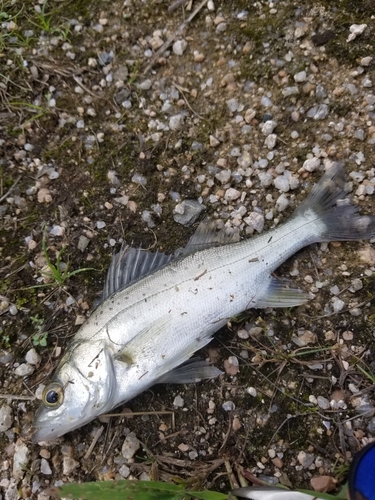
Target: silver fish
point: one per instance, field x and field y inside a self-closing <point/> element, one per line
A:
<point x="158" y="310"/>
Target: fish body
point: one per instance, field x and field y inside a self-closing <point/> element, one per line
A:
<point x="158" y="310"/>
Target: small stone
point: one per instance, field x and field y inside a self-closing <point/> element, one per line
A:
<point x="270" y="141"/>
<point x="223" y="176"/>
<point x="236" y="424"/>
<point x="57" y="230"/>
<point x="300" y="77"/>
<point x="6" y="417"/>
<point x="323" y="403"/>
<point x="355" y="30"/>
<point x="231" y="365"/>
<point x="324" y="484"/>
<point x="139" y="179"/>
<point x="255" y="221"/>
<point x="366" y="61"/>
<point x="290" y="91"/>
<point x="45" y="467"/>
<point x="245" y="160"/>
<point x="124" y="471"/>
<point x="282" y="203"/>
<point x="268" y="127"/>
<point x="100" y="224"/>
<point x="32" y="357"/>
<point x="214" y="142"/>
<point x="176" y="122"/>
<point x="69" y="464"/>
<point x="130" y="446"/>
<point x="24" y="370"/>
<point x="83" y="242"/>
<point x="311" y="164"/>
<point x="281" y="183"/>
<point x="178" y="401"/>
<point x="183" y="447"/>
<point x="338" y="305"/>
<point x="232" y="194"/>
<point x="145" y="85"/>
<point x="305" y="459"/>
<point x="20" y="459"/>
<point x="187" y="212"/>
<point x="44" y="195"/>
<point x="319" y="112"/>
<point x="228" y="406"/>
<point x="232" y="105"/>
<point x="179" y="47"/>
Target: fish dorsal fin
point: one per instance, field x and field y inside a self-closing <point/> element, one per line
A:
<point x="129" y="265"/>
<point x="207" y="235"/>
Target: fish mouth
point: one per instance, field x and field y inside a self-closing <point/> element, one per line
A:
<point x="46" y="433"/>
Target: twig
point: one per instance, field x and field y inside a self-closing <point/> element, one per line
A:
<point x="176" y="33"/>
<point x="94" y="441"/>
<point x="178" y="87"/>
<point x="16" y="397"/>
<point x="85" y="88"/>
<point x="175" y="5"/>
<point x="10" y="189"/>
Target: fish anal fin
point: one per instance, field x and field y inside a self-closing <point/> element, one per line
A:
<point x="279" y="294"/>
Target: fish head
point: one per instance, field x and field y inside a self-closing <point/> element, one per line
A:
<point x="82" y="388"/>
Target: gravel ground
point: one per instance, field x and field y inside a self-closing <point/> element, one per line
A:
<point x="123" y="121"/>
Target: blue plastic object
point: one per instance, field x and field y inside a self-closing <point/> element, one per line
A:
<point x="362" y="474"/>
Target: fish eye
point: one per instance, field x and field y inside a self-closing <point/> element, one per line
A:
<point x="53" y="395"/>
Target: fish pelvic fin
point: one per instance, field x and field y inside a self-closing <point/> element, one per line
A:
<point x="341" y="221"/>
<point x="193" y="370"/>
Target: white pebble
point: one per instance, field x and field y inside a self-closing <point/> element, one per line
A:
<point x="255" y="221"/>
<point x="270" y="141"/>
<point x="24" y="370"/>
<point x="232" y="194"/>
<point x="323" y="403"/>
<point x="176" y="122"/>
<point x="232" y="105"/>
<point x="179" y="47"/>
<point x="337" y="304"/>
<point x="268" y="127"/>
<point x="355" y="30"/>
<point x="282" y="203"/>
<point x="100" y="224"/>
<point x="130" y="446"/>
<point x="228" y="406"/>
<point x="32" y="357"/>
<point x="300" y="77"/>
<point x="178" y="401"/>
<point x="281" y="183"/>
<point x="223" y="176"/>
<point x="311" y="164"/>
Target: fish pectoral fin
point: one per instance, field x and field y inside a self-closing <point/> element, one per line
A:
<point x="278" y="294"/>
<point x="193" y="370"/>
<point x="142" y="342"/>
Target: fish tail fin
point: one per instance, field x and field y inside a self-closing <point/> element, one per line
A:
<point x="336" y="218"/>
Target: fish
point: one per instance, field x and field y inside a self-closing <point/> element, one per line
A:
<point x="158" y="310"/>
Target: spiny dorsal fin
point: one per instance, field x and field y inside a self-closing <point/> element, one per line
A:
<point x="207" y="235"/>
<point x="131" y="264"/>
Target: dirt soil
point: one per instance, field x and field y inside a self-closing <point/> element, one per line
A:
<point x="112" y="115"/>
